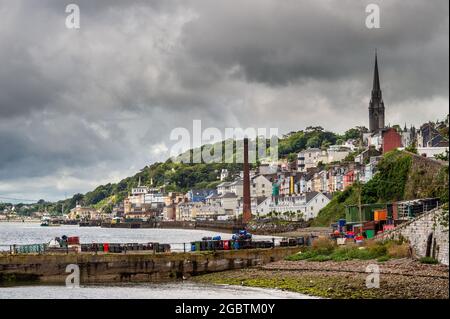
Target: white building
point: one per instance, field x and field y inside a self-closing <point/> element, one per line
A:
<point x="154" y="198"/>
<point x="223" y="188"/>
<point x="223" y="174"/>
<point x="337" y="153"/>
<point x="308" y="204"/>
<point x="308" y="158"/>
<point x="260" y="186"/>
<point x="236" y="187"/>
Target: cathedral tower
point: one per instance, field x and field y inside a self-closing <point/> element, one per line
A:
<point x="376" y="106"/>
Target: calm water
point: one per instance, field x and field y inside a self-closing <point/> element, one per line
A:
<point x="185" y="290"/>
<point x="33" y="233"/>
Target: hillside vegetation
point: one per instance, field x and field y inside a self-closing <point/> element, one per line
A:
<point x="174" y="176"/>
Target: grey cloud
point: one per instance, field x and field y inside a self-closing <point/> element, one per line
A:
<point x="303" y="40"/>
<point x="80" y="104"/>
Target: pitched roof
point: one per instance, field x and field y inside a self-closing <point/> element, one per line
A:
<point x="202" y="192"/>
<point x="224" y="184"/>
<point x="310" y="195"/>
<point x="228" y="195"/>
<point x="260" y="199"/>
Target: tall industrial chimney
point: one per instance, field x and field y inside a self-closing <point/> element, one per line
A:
<point x="246" y="208"/>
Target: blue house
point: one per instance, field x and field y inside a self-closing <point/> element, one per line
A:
<point x="199" y="195"/>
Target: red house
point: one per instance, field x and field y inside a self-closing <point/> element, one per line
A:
<point x="349" y="178"/>
<point x="391" y="140"/>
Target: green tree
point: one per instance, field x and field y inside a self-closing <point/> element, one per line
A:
<point x="412" y="148"/>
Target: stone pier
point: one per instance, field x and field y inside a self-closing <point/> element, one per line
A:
<point x="132" y="267"/>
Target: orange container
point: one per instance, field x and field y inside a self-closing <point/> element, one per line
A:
<point x="380" y="215"/>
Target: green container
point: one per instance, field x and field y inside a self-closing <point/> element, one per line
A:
<point x="370" y="233"/>
<point x="197" y="246"/>
<point x="352" y="212"/>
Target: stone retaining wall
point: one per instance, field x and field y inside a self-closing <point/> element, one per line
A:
<point x="137" y="267"/>
<point x="427" y="236"/>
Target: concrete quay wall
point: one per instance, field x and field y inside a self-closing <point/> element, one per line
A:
<point x="132" y="267"/>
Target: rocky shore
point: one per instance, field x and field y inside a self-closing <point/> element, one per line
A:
<point x="399" y="278"/>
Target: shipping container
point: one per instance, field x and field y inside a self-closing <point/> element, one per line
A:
<point x="380" y="214"/>
<point x="370" y="233"/>
<point x="367" y="212"/>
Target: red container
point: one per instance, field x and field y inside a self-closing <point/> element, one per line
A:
<point x="73" y="240"/>
<point x="106" y="248"/>
<point x="226" y="245"/>
<point x="369" y="225"/>
<point x="357" y="229"/>
<point x="394" y="211"/>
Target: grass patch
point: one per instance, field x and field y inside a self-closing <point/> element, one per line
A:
<point x="324" y="251"/>
<point x="428" y="260"/>
<point x="329" y="286"/>
<point x="382" y="259"/>
<point x="321" y="258"/>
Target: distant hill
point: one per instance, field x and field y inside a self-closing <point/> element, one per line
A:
<point x="182" y="177"/>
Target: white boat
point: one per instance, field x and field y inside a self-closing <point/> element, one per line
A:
<point x="47" y="221"/>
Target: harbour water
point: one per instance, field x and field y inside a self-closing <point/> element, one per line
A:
<point x="178" y="290"/>
<point x="32" y="233"/>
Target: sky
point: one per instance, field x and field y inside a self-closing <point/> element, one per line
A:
<point x="89" y="106"/>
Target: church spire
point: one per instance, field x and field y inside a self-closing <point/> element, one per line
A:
<point x="376" y="77"/>
<point x="376" y="105"/>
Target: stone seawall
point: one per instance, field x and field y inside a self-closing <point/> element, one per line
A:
<point x="137" y="267"/>
<point x="426" y="235"/>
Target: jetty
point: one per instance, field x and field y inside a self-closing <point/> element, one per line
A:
<point x="132" y="266"/>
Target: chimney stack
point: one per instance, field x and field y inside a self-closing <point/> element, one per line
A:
<point x="246" y="208"/>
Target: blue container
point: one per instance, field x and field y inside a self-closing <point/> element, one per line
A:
<point x="193" y="248"/>
<point x="342" y="222"/>
<point x="236" y="245"/>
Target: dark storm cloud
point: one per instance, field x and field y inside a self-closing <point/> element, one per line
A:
<point x="83" y="107"/>
<point x="303" y="40"/>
